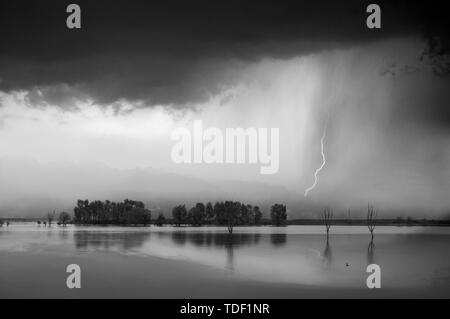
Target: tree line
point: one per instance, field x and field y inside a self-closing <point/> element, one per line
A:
<point x="131" y="212"/>
<point x="127" y="212"/>
<point x="228" y="213"/>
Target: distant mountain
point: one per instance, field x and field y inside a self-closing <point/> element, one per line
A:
<point x="29" y="188"/>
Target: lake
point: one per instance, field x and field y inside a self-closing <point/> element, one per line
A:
<point x="205" y="262"/>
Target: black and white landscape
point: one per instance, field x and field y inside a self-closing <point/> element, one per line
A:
<point x="224" y="149"/>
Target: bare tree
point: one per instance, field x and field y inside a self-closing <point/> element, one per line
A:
<point x="50" y="218"/>
<point x="327" y="217"/>
<point x="64" y="218"/>
<point x="371" y="217"/>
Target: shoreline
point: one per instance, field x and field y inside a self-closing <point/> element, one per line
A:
<point x="294" y="222"/>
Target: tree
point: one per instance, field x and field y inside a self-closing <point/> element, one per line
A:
<point x="209" y="212"/>
<point x="94" y="210"/>
<point x="50" y="218"/>
<point x="371" y="217"/>
<point x="107" y="212"/>
<point x="190" y="216"/>
<point x="245" y="213"/>
<point x="327" y="217"/>
<point x="64" y="218"/>
<point x="219" y="213"/>
<point x="135" y="213"/>
<point x="409" y="220"/>
<point x="251" y="215"/>
<point x="146" y="216"/>
<point x="81" y="212"/>
<point x="232" y="214"/>
<point x="161" y="220"/>
<point x="199" y="214"/>
<point x="179" y="214"/>
<point x="138" y="216"/>
<point x="196" y="215"/>
<point x="278" y="214"/>
<point x="1" y="223"/>
<point x="257" y="215"/>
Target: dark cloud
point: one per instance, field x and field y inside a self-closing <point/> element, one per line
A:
<point x="62" y="95"/>
<point x="175" y="52"/>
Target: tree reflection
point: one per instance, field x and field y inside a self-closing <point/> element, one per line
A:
<point x="230" y="253"/>
<point x="327" y="253"/>
<point x="179" y="237"/>
<point x="229" y="242"/>
<point x="278" y="239"/>
<point x="107" y="240"/>
<point x="64" y="235"/>
<point x="207" y="239"/>
<point x="371" y="253"/>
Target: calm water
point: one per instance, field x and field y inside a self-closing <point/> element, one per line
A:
<point x="294" y="261"/>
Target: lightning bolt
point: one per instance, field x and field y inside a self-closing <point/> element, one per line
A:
<point x="323" y="162"/>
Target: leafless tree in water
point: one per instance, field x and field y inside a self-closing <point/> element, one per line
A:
<point x="50" y="218"/>
<point x="371" y="218"/>
<point x="327" y="217"/>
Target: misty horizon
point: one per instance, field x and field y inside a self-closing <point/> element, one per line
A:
<point x="41" y="188"/>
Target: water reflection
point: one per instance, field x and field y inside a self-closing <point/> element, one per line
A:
<point x="106" y="240"/>
<point x="327" y="253"/>
<point x="129" y="240"/>
<point x="178" y="237"/>
<point x="300" y="255"/>
<point x="230" y="253"/>
<point x="278" y="239"/>
<point x="214" y="239"/>
<point x="64" y="235"/>
<point x="371" y="253"/>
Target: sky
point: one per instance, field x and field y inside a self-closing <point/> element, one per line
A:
<point x="113" y="92"/>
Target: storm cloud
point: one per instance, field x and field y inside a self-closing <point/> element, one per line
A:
<point x="178" y="53"/>
<point x="112" y="93"/>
